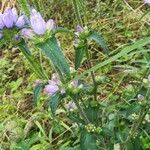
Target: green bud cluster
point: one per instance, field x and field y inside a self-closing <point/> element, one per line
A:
<point x="92" y="128"/>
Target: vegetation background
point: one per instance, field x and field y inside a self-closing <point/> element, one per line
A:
<point x="121" y="22"/>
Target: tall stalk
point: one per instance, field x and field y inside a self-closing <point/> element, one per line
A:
<point x="80" y="22"/>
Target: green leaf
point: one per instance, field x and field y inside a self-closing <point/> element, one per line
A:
<point x="55" y="101"/>
<point x="79" y="54"/>
<point x="35" y="65"/>
<point x="123" y="52"/>
<point x="133" y="109"/>
<point x="87" y="141"/>
<point x="53" y="51"/>
<point x="36" y="93"/>
<point x="75" y="117"/>
<point x="92" y="113"/>
<point x="99" y="40"/>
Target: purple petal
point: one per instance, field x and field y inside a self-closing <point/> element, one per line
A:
<point x="15" y="15"/>
<point x="50" y="25"/>
<point x="8" y="18"/>
<point x="147" y="1"/>
<point x="79" y="29"/>
<point x="21" y="21"/>
<point x="75" y="83"/>
<point x="27" y="33"/>
<point x="51" y="89"/>
<point x="1" y="21"/>
<point x="37" y="23"/>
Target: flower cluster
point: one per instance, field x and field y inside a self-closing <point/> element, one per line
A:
<point x="54" y="86"/>
<point x="38" y="25"/>
<point x="10" y="19"/>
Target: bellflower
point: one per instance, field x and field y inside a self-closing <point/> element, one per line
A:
<point x="1" y="22"/>
<point x="8" y="19"/>
<point x="37" y="23"/>
<point x="50" y="25"/>
<point x="21" y="22"/>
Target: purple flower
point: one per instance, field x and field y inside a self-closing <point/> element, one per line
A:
<point x="16" y="37"/>
<point x="27" y="33"/>
<point x="50" y="25"/>
<point x="51" y="88"/>
<point x="1" y="21"/>
<point x="21" y="22"/>
<point x="15" y="15"/>
<point x="79" y="29"/>
<point x="71" y="106"/>
<point x="75" y="83"/>
<point x="1" y="36"/>
<point x="37" y="23"/>
<point x="140" y="97"/>
<point x="8" y="19"/>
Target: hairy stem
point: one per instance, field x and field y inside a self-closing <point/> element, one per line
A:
<point x="92" y="75"/>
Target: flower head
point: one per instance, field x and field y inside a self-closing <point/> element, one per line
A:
<point x="51" y="88"/>
<point x="37" y="23"/>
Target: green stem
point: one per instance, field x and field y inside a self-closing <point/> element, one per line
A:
<point x="92" y="75"/>
<point x="77" y="12"/>
<point x="83" y="114"/>
<point x="137" y="124"/>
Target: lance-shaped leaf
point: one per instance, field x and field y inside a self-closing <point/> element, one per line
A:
<point x="55" y="101"/>
<point x="53" y="51"/>
<point x="79" y="54"/>
<point x="35" y="65"/>
<point x="36" y="92"/>
<point x="99" y="40"/>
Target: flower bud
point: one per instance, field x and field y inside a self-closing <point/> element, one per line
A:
<point x="79" y="29"/>
<point x="50" y="25"/>
<point x="21" y="22"/>
<point x="140" y="97"/>
<point x="37" y="23"/>
<point x="51" y="88"/>
<point x="8" y="18"/>
<point x="27" y="33"/>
